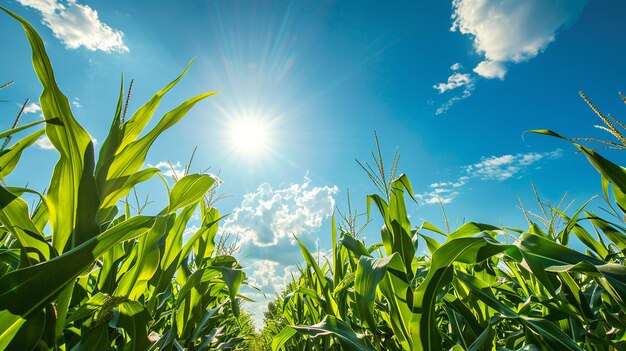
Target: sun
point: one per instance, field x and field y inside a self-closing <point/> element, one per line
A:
<point x="249" y="135"/>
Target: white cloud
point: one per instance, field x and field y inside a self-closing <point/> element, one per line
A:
<point x="77" y="25"/>
<point x="264" y="224"/>
<point x="507" y="166"/>
<point x="467" y="92"/>
<point x="442" y="192"/>
<point x="170" y="169"/>
<point x="189" y="232"/>
<point x="456" y="80"/>
<point x="489" y="168"/>
<point x="271" y="278"/>
<point x="457" y="66"/>
<point x="436" y="196"/>
<point x="44" y="143"/>
<point x="511" y="30"/>
<point x="269" y="216"/>
<point x="76" y="102"/>
<point x="459" y="183"/>
<point x="33" y="107"/>
<point x="491" y="69"/>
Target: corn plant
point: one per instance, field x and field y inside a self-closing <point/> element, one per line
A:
<point x="472" y="290"/>
<point x="102" y="277"/>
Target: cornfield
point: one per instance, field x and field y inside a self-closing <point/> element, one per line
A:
<point x="81" y="270"/>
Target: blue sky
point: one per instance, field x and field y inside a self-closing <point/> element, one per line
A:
<point x="451" y="84"/>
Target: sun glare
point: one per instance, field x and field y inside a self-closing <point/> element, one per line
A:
<point x="249" y="135"/>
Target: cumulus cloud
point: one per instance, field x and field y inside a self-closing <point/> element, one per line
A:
<point x="510" y="30"/>
<point x="491" y="69"/>
<point x="44" y="143"/>
<point x="264" y="224"/>
<point x="33" y="107"/>
<point x="268" y="216"/>
<point x="168" y="169"/>
<point x="78" y="25"/>
<point x="498" y="168"/>
<point x="270" y="278"/>
<point x="503" y="32"/>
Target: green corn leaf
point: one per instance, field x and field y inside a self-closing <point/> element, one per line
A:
<point x="424" y="330"/>
<point x="611" y="276"/>
<point x="120" y="187"/>
<point x="431" y="244"/>
<point x="134" y="320"/>
<point x="39" y="215"/>
<point x="94" y="339"/>
<point x="332" y="326"/>
<point x="544" y="328"/>
<point x="131" y="157"/>
<point x="133" y="127"/>
<point x="398" y="223"/>
<point x="233" y="279"/>
<point x="134" y="282"/>
<point x="12" y="131"/>
<point x="320" y="279"/>
<point x="10" y="157"/>
<point x="615" y="235"/>
<point x="395" y="286"/>
<point x="431" y="227"/>
<point x="369" y="273"/>
<point x="111" y="142"/>
<point x="27" y="290"/>
<point x="204" y="244"/>
<point x="283" y="337"/>
<point x="189" y="189"/>
<point x="553" y="335"/>
<point x="69" y="194"/>
<point x="469" y="229"/>
<point x="15" y="218"/>
<point x="610" y="171"/>
<point x="355" y="246"/>
<point x="206" y="234"/>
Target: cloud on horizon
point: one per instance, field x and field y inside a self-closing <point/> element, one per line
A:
<point x="264" y="223"/>
<point x="78" y="25"/>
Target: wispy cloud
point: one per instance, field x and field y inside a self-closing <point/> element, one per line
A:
<point x="507" y="166"/>
<point x="76" y="102"/>
<point x="78" y="25"/>
<point x="442" y="192"/>
<point x="456" y="80"/>
<point x="498" y="168"/>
